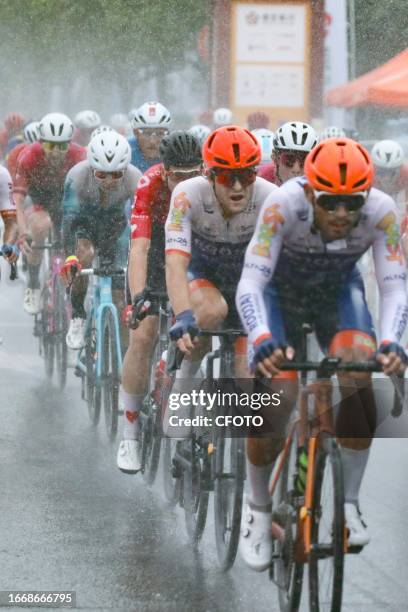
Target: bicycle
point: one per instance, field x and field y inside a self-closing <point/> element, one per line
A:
<point x="308" y="524"/>
<point x="99" y="362"/>
<point x="213" y="462"/>
<point x="51" y="323"/>
<point x="13" y="266"/>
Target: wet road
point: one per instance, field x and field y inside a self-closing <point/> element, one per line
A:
<point x="71" y="521"/>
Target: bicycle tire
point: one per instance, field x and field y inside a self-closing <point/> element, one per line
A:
<point x="195" y="499"/>
<point x="93" y="393"/>
<point x="46" y="336"/>
<point x="61" y="328"/>
<point x="110" y="376"/>
<point x="328" y="463"/>
<point x="289" y="570"/>
<point x="171" y="485"/>
<point x="151" y="434"/>
<point x="228" y="494"/>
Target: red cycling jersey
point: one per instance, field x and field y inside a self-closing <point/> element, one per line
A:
<point x="268" y="172"/>
<point x="44" y="182"/>
<point x="151" y="203"/>
<point x="12" y="158"/>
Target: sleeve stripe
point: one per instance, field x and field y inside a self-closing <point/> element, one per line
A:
<point x="177" y="251"/>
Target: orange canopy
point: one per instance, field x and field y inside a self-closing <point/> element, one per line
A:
<point x="386" y="85"/>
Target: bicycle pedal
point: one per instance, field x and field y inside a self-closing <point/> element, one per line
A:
<point x="175" y="470"/>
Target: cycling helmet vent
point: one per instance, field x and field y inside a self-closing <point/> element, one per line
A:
<point x="343" y="173"/>
<point x="324" y="182"/>
<point x="359" y="183"/>
<point x="222" y="162"/>
<point x="253" y="159"/>
<point x="235" y="148"/>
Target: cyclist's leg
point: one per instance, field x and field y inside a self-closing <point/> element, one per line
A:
<point x="39" y="224"/>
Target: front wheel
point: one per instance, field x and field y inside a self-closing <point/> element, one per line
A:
<point x="195" y="497"/>
<point x="326" y="562"/>
<point x="93" y="393"/>
<point x="61" y="328"/>
<point x="110" y="376"/>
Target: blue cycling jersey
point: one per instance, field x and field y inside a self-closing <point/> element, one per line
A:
<point x="138" y="159"/>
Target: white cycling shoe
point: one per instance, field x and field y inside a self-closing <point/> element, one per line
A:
<point x="32" y="301"/>
<point x="358" y="532"/>
<point x="255" y="542"/>
<point x="75" y="337"/>
<point x="128" y="457"/>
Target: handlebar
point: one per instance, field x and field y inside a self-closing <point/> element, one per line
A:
<point x="101" y="272"/>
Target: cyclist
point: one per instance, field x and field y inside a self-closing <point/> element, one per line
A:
<point x="291" y="144"/>
<point x="150" y="123"/>
<point x="8" y="215"/>
<point x="181" y="159"/>
<point x="210" y="222"/>
<point x="30" y="135"/>
<point x="120" y="122"/>
<point x="258" y="120"/>
<point x="222" y="116"/>
<point x="332" y="131"/>
<point x="391" y="171"/>
<point x="200" y="131"/>
<point x="94" y="215"/>
<point x="41" y="170"/>
<point x="300" y="267"/>
<point x="85" y="123"/>
<point x="265" y="139"/>
<point x="13" y="123"/>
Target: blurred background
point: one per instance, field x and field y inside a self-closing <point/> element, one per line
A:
<point x="112" y="55"/>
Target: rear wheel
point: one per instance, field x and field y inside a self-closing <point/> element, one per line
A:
<point x="110" y="375"/>
<point x="171" y="484"/>
<point x="93" y="393"/>
<point x="326" y="562"/>
<point x="151" y="431"/>
<point x="47" y="336"/>
<point x="195" y="497"/>
<point x="61" y="328"/>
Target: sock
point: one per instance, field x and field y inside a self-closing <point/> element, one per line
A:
<point x="33" y="276"/>
<point x="258" y="484"/>
<point x="354" y="465"/>
<point x="132" y="406"/>
<point x="188" y="368"/>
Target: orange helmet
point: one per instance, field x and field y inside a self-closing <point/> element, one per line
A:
<point x="231" y="147"/>
<point x="340" y="166"/>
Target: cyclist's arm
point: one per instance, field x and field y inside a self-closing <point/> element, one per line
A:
<point x="70" y="209"/>
<point x="20" y="189"/>
<point x="141" y="231"/>
<point x="7" y="208"/>
<point x="260" y="261"/>
<point x="178" y="250"/>
<point x="390" y="268"/>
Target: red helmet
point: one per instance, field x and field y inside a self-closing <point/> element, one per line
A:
<point x="340" y="166"/>
<point x="14" y="123"/>
<point x="257" y="120"/>
<point x="231" y="147"/>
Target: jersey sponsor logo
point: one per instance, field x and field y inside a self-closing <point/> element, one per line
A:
<point x="181" y="205"/>
<point x="248" y="311"/>
<point x="271" y="221"/>
<point x="389" y="226"/>
<point x="263" y="269"/>
<point x="400" y="321"/>
<point x="393" y="277"/>
<point x="144" y="181"/>
<point x="180" y="240"/>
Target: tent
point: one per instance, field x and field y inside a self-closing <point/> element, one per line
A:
<point x="386" y="85"/>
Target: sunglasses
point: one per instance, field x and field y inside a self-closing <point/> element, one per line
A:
<point x="153" y="133"/>
<point x="329" y="203"/>
<point x="289" y="159"/>
<point x="183" y="175"/>
<point x="105" y="175"/>
<point x="50" y="146"/>
<point x="246" y="176"/>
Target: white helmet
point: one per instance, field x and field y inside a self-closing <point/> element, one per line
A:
<point x="101" y="129"/>
<point x="109" y="152"/>
<point x="200" y="131"/>
<point x="332" y="132"/>
<point x="120" y="122"/>
<point x="31" y="133"/>
<point x="150" y="114"/>
<point x="87" y="120"/>
<point x="387" y="154"/>
<point x="295" y="136"/>
<point x="222" y="116"/>
<point x="56" y="127"/>
<point x="265" y="139"/>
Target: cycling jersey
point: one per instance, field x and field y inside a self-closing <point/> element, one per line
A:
<point x="7" y="206"/>
<point x="138" y="159"/>
<point x="268" y="172"/>
<point x="197" y="228"/>
<point x="399" y="185"/>
<point x="287" y="257"/>
<point x="12" y="158"/>
<point x="14" y="142"/>
<point x="43" y="182"/>
<point x="149" y="214"/>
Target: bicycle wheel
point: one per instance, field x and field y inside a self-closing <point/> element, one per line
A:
<point x="110" y="376"/>
<point x="171" y="484"/>
<point x="326" y="562"/>
<point x="47" y="337"/>
<point x="195" y="497"/>
<point x="286" y="504"/>
<point x="93" y="393"/>
<point x="228" y="492"/>
<point x="61" y="328"/>
<point x="151" y="429"/>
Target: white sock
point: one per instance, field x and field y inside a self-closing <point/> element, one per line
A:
<point x="132" y="405"/>
<point x="258" y="485"/>
<point x="354" y="465"/>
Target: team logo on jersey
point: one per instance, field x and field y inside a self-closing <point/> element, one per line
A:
<point x="271" y="220"/>
<point x="389" y="226"/>
<point x="180" y="207"/>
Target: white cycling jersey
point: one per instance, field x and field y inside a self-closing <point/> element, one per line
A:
<point x="288" y="249"/>
<point x="7" y="205"/>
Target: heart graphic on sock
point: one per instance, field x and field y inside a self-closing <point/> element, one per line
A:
<point x="131" y="416"/>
